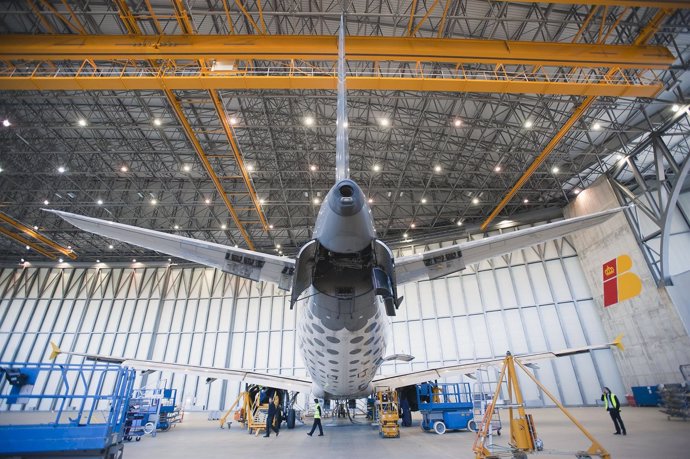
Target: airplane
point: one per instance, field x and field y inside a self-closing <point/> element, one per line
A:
<point x="349" y="278"/>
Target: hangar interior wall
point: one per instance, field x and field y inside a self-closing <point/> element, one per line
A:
<point x="656" y="338"/>
<point x="532" y="300"/>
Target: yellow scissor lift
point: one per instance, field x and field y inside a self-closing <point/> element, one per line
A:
<point x="523" y="435"/>
<point x="387" y="412"/>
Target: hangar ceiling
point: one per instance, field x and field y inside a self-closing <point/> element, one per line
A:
<point x="240" y="148"/>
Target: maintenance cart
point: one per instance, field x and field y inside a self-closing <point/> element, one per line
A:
<point x="444" y="406"/>
<point x="86" y="402"/>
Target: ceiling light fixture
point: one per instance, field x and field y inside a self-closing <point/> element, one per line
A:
<point x="262" y="201"/>
<point x="177" y="227"/>
<point x="371" y="200"/>
<point x="60" y="260"/>
<point x="250" y="167"/>
<point x="555" y="169"/>
<point x="384" y="122"/>
<point x="437" y="168"/>
<point x="459" y="223"/>
<point x="123" y="169"/>
<point x="207" y="201"/>
<point x="413" y="225"/>
<point x="6" y="123"/>
<point x="577" y="191"/>
<point x="312" y="168"/>
<point x="376" y="168"/>
<point x="187" y="168"/>
<point x="233" y="120"/>
<point x="46" y="202"/>
<point x="423" y="201"/>
<point x="316" y="201"/>
<point x="497" y="169"/>
<point x="28" y="248"/>
<point x="596" y="127"/>
<point x="157" y="122"/>
<point x="405" y="235"/>
<point x="277" y="246"/>
<point x="81" y="122"/>
<point x="528" y="124"/>
<point x="475" y="200"/>
<point x="35" y="228"/>
<point x="154" y="201"/>
<point x="457" y="123"/>
<point x="223" y="226"/>
<point x="525" y="201"/>
<point x="674" y="109"/>
<point x="98" y="261"/>
<point x="111" y="247"/>
<point x="134" y="260"/>
<point x="99" y="202"/>
<point x="308" y="121"/>
<point x="61" y="170"/>
<point x="270" y="226"/>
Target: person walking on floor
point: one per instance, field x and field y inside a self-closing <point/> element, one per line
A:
<point x="613" y="406"/>
<point x="272" y="414"/>
<point x="317" y="419"/>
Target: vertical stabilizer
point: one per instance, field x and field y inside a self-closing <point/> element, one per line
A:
<point x="342" y="156"/>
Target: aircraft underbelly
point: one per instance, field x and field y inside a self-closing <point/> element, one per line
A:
<point x="342" y="344"/>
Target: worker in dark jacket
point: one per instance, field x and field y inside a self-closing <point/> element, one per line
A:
<point x="272" y="414"/>
<point x="613" y="406"/>
<point x="317" y="419"/>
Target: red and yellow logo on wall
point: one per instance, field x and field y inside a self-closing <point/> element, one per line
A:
<point x="619" y="283"/>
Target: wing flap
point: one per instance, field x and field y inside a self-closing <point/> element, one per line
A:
<point x="240" y="262"/>
<point x="447" y="260"/>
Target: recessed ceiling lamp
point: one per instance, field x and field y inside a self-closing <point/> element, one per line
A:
<point x="277" y="246"/>
<point x="596" y="127"/>
<point x="61" y="170"/>
<point x="124" y="169"/>
<point x="207" y="201"/>
<point x="98" y="261"/>
<point x="405" y="235"/>
<point x="223" y="226"/>
<point x="99" y="202"/>
<point x="528" y="124"/>
<point x="423" y="201"/>
<point x="376" y="168"/>
<point x="262" y="201"/>
<point x="497" y="169"/>
<point x="6" y="123"/>
<point x="110" y="247"/>
<point x="316" y="201"/>
<point x="176" y="227"/>
<point x="674" y="109"/>
<point x="157" y="122"/>
<point x="457" y="123"/>
<point x="154" y="201"/>
<point x="308" y="120"/>
<point x="60" y="260"/>
<point x="312" y="167"/>
<point x="233" y="120"/>
<point x="437" y="168"/>
<point x="384" y="122"/>
<point x="525" y="201"/>
<point x="475" y="200"/>
<point x="555" y="170"/>
<point x="35" y="228"/>
<point x="413" y="225"/>
<point x="577" y="191"/>
<point x="134" y="260"/>
<point x="46" y="202"/>
<point x="270" y="226"/>
<point x="371" y="200"/>
<point x="459" y="223"/>
<point x="81" y="122"/>
<point x="250" y="167"/>
<point x="187" y="168"/>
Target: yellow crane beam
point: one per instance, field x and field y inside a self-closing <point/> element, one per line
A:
<point x="48" y="247"/>
<point x="644" y="35"/>
<point x="627" y="3"/>
<point x="324" y="48"/>
<point x="295" y="82"/>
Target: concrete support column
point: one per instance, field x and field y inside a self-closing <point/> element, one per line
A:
<point x="655" y="339"/>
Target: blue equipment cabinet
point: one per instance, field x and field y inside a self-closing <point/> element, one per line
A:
<point x="88" y="402"/>
<point x="444" y="406"/>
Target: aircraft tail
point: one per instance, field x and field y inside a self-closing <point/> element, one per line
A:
<point x="342" y="155"/>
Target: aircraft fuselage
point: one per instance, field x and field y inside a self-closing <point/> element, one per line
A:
<point x="343" y="329"/>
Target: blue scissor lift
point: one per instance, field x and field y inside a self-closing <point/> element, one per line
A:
<point x="444" y="406"/>
<point x="87" y="402"/>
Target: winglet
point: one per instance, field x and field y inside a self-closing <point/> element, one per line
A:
<point x="618" y="342"/>
<point x="55" y="350"/>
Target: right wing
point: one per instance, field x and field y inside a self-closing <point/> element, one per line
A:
<point x="447" y="260"/>
<point x="415" y="377"/>
<point x="249" y="376"/>
<point x="240" y="262"/>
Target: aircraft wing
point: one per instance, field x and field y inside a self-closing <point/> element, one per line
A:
<point x="447" y="260"/>
<point x="416" y="377"/>
<point x="253" y="377"/>
<point x="240" y="262"/>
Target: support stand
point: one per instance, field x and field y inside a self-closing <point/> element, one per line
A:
<point x="523" y="434"/>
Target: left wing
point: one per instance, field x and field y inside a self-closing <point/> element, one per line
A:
<point x="415" y="377"/>
<point x="447" y="260"/>
<point x="277" y="381"/>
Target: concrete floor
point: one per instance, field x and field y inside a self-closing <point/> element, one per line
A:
<point x="650" y="435"/>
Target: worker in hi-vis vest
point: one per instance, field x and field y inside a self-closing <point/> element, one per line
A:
<point x="613" y="406"/>
<point x="317" y="419"/>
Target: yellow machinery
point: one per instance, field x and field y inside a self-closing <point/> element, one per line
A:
<point x="387" y="412"/>
<point x="251" y="414"/>
<point x="523" y="434"/>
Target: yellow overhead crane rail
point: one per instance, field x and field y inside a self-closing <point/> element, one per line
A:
<point x="89" y="62"/>
<point x="29" y="237"/>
